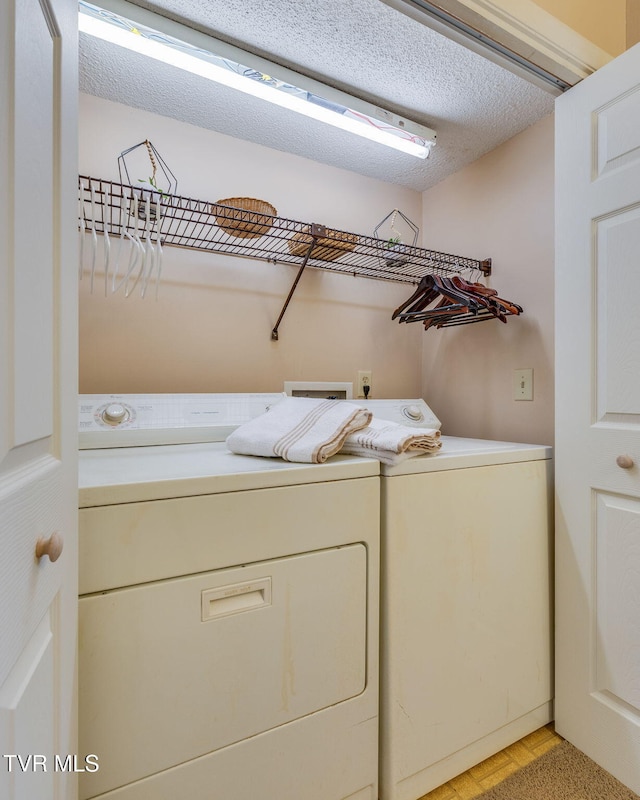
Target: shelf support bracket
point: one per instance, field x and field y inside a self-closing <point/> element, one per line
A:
<point x="485" y="267"/>
<point x="317" y="231"/>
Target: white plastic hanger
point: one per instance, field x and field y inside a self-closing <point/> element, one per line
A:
<point x="144" y="243"/>
<point x="135" y="248"/>
<point x="158" y="248"/>
<point x="155" y="260"/>
<point x="81" y="229"/>
<point x="106" y="209"/>
<point x="94" y="236"/>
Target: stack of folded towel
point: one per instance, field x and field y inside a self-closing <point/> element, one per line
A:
<point x="309" y="430"/>
<point x="299" y="429"/>
<point x="391" y="443"/>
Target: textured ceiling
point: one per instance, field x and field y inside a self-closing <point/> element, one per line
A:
<point x="361" y="46"/>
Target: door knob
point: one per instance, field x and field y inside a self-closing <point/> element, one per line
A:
<point x="51" y="547"/>
<point x="625" y="462"/>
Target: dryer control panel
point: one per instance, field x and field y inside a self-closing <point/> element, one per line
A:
<point x="128" y="420"/>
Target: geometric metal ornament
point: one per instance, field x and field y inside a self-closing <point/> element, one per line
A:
<point x="161" y="178"/>
<point x="397" y="228"/>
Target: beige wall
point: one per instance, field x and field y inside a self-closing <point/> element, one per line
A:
<point x="633" y="22"/>
<point x="602" y="23"/>
<point x="210" y="328"/>
<point x="501" y="206"/>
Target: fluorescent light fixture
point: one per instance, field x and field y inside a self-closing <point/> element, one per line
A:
<point x="155" y="44"/>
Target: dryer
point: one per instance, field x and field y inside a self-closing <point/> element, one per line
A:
<point x="228" y="643"/>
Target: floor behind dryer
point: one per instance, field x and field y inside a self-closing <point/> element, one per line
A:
<point x="494" y="770"/>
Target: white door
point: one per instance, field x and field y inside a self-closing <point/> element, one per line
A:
<point x="38" y="313"/>
<point x="598" y="416"/>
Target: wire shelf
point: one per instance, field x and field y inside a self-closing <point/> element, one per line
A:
<point x="198" y="224"/>
<point x="175" y="221"/>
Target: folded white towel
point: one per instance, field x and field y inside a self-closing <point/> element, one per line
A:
<point x="390" y="442"/>
<point x="299" y="429"/>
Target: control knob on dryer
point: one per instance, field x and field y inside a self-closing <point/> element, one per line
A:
<point x="114" y="414"/>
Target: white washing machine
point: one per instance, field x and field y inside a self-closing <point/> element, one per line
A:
<point x="465" y="604"/>
<point x="228" y="643"/>
<point x="466" y="612"/>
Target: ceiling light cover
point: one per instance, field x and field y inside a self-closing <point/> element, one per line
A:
<point x="118" y="30"/>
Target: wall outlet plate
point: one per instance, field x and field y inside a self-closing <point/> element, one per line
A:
<point x="364" y="379"/>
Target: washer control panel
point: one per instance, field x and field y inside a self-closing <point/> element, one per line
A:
<point x="129" y="420"/>
<point x="413" y="413"/>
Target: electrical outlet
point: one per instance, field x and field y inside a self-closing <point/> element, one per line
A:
<point x="523" y="384"/>
<point x="364" y="379"/>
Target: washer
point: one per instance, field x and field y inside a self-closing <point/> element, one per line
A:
<point x="466" y="659"/>
<point x="228" y="613"/>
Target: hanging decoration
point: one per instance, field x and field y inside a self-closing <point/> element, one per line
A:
<point x="398" y="233"/>
<point x="164" y="183"/>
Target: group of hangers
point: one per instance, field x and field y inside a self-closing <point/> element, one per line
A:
<point x="441" y="302"/>
<point x="134" y="256"/>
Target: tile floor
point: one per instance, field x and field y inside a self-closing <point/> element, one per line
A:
<point x="495" y="769"/>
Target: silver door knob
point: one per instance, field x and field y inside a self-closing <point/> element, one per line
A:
<point x="624" y="462"/>
<point x="51" y="547"/>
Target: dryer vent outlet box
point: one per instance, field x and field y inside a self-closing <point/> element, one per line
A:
<point x="329" y="389"/>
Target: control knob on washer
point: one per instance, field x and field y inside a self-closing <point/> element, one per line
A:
<point x="114" y="414"/>
<point x="413" y="413"/>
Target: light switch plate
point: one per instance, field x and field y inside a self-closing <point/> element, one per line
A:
<point x="523" y="384"/>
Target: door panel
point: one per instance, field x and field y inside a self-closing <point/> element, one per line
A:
<point x="597" y="415"/>
<point x="617" y="281"/>
<point x="27" y="698"/>
<point x="29" y="508"/>
<point x="618" y="133"/>
<point x="36" y="68"/>
<point x="38" y="380"/>
<point x="617" y="641"/>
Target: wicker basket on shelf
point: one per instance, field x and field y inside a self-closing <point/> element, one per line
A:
<point x="328" y="248"/>
<point x="244" y="217"/>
